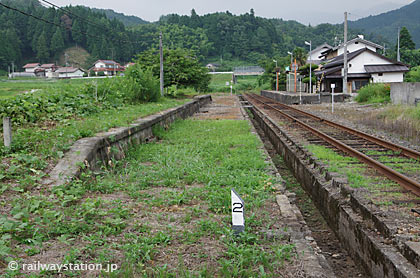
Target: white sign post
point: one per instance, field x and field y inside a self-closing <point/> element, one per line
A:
<point x="238" y="220"/>
<point x="332" y="98"/>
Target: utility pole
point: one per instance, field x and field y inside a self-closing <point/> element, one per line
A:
<point x="398" y="47"/>
<point x="66" y="56"/>
<point x="384" y="49"/>
<point x="161" y="63"/>
<point x="310" y="65"/>
<point x="345" y="55"/>
<point x="13" y="67"/>
<point x="8" y="71"/>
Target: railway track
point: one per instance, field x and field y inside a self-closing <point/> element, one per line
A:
<point x="375" y="152"/>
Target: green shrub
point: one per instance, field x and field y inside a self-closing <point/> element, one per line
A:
<point x="374" y="93"/>
<point x="101" y="73"/>
<point x="140" y="85"/>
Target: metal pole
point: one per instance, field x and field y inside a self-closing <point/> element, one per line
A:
<point x="310" y="67"/>
<point x="161" y="63"/>
<point x="332" y="101"/>
<point x="398" y="47"/>
<point x="7" y="132"/>
<point x="345" y="55"/>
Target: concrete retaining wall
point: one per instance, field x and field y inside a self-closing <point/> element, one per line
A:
<point x="335" y="200"/>
<point x="93" y="152"/>
<point x="405" y="93"/>
<point x="291" y="98"/>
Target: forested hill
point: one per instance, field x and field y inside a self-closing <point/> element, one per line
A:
<point x="213" y="36"/>
<point x="387" y="24"/>
<point x="128" y="20"/>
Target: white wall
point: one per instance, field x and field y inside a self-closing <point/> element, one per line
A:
<point x="358" y="64"/>
<point x="388" y="77"/>
<point x="78" y="73"/>
<point x="30" y="70"/>
<point x="354" y="47"/>
<point x="100" y="65"/>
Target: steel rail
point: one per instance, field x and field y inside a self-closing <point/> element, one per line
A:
<point x="403" y="150"/>
<point x="399" y="178"/>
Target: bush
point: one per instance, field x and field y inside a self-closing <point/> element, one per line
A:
<point x="101" y="73"/>
<point x="140" y="85"/>
<point x="374" y="93"/>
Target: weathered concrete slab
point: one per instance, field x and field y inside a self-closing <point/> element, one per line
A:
<point x="405" y="93"/>
<point x="336" y="201"/>
<point x="223" y="107"/>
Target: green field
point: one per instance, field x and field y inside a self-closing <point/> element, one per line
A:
<point x="14" y="87"/>
<point x="244" y="83"/>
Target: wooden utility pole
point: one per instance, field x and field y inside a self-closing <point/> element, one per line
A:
<point x="161" y="63"/>
<point x="345" y="55"/>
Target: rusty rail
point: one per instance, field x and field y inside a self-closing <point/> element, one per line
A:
<point x="404" y="151"/>
<point x="401" y="179"/>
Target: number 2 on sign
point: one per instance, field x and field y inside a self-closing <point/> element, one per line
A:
<point x="237" y="207"/>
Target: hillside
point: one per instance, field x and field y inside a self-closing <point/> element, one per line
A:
<point x="128" y="20"/>
<point x="387" y="24"/>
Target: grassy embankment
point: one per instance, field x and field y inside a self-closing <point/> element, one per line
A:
<point x="164" y="211"/>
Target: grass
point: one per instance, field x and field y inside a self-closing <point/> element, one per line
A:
<point x="9" y="88"/>
<point x="37" y="146"/>
<point x="244" y="83"/>
<point x="162" y="212"/>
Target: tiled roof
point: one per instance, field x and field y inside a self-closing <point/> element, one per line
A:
<point x="33" y="65"/>
<point x="67" y="70"/>
<point x="386" y="68"/>
<point x="48" y="65"/>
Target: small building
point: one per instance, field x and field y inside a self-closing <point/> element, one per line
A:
<point x="315" y="56"/>
<point x="129" y="65"/>
<point x="352" y="46"/>
<point x="108" y="67"/>
<point x="364" y="66"/>
<point x="49" y="67"/>
<point x="69" y="72"/>
<point x="30" y="68"/>
<point x="212" y="67"/>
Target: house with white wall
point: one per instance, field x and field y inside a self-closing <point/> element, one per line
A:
<point x="315" y="56"/>
<point x="364" y="66"/>
<point x="30" y="68"/>
<point x="69" y="72"/>
<point x="352" y="45"/>
<point x="108" y="67"/>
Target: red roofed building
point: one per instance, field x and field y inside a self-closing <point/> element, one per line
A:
<point x="108" y="67"/>
<point x="31" y="67"/>
<point x="49" y="67"/>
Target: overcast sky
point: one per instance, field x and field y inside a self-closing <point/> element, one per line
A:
<point x="304" y="11"/>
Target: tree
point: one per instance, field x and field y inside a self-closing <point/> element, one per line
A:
<point x="42" y="48"/>
<point x="299" y="54"/>
<point x="57" y="41"/>
<point x="405" y="40"/>
<point x="181" y="68"/>
<point x="76" y="32"/>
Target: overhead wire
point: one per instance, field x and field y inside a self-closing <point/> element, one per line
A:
<point x="59" y="25"/>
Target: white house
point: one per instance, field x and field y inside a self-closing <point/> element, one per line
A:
<point x="315" y="56"/>
<point x="69" y="72"/>
<point x="108" y="67"/>
<point x="31" y="67"/>
<point x="352" y="46"/>
<point x="364" y="66"/>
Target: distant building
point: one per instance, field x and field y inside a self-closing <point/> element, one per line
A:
<point x="49" y="67"/>
<point x="30" y="68"/>
<point x="315" y="56"/>
<point x="212" y="67"/>
<point x="108" y="67"/>
<point x="364" y="66"/>
<point x="129" y="65"/>
<point x="69" y="72"/>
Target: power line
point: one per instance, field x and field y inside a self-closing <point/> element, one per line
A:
<point x="58" y="25"/>
<point x="75" y="15"/>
